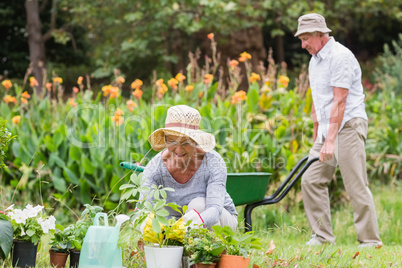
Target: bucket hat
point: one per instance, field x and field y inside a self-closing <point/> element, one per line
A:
<point x="184" y="121"/>
<point x="312" y="23"/>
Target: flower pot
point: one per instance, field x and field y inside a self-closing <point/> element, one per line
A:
<point x="231" y="261"/>
<point x="58" y="259"/>
<point x="24" y="254"/>
<point x="204" y="265"/>
<point x="165" y="257"/>
<point x="74" y="258"/>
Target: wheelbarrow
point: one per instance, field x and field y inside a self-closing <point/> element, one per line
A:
<point x="249" y="188"/>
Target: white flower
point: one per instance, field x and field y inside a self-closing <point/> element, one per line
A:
<point x="18" y="216"/>
<point x="31" y="211"/>
<point x="49" y="224"/>
<point x="122" y="218"/>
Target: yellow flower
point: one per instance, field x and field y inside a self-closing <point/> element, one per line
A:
<point x="57" y="80"/>
<point x="9" y="98"/>
<point x="254" y="77"/>
<point x="189" y="88"/>
<point x="106" y="90"/>
<point x="16" y="119"/>
<point x="244" y="57"/>
<point x="233" y="64"/>
<point x="159" y="82"/>
<point x="33" y="82"/>
<point x="131" y="105"/>
<point x="208" y="78"/>
<point x="284" y="80"/>
<point x="114" y="92"/>
<point x="79" y="80"/>
<point x="238" y="97"/>
<point x="173" y="83"/>
<point x="136" y="84"/>
<point x="26" y="95"/>
<point x="23" y="100"/>
<point x="180" y="77"/>
<point x="211" y="36"/>
<point x="137" y="93"/>
<point x="7" y="84"/>
<point x="120" y="80"/>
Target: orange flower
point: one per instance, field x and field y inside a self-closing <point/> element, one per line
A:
<point x="72" y="102"/>
<point x="180" y="77"/>
<point x="76" y="90"/>
<point x="79" y="80"/>
<point x="173" y="83"/>
<point x="284" y="80"/>
<point x="8" y="99"/>
<point x="137" y="93"/>
<point x="33" y="82"/>
<point x="162" y="89"/>
<point x="189" y="88"/>
<point x="244" y="57"/>
<point x="208" y="78"/>
<point x="106" y="90"/>
<point x="136" y="84"/>
<point x="23" y="100"/>
<point x="26" y="95"/>
<point x="254" y="77"/>
<point x="211" y="36"/>
<point x="118" y="119"/>
<point x="57" y="80"/>
<point x="238" y="97"/>
<point x="7" y="84"/>
<point x="159" y="82"/>
<point x="120" y="80"/>
<point x="48" y="86"/>
<point x="118" y="112"/>
<point x="201" y="94"/>
<point x="16" y="119"/>
<point x="114" y="92"/>
<point x="233" y="64"/>
<point x="131" y="105"/>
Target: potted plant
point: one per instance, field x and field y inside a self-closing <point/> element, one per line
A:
<point x="164" y="237"/>
<point x="203" y="246"/>
<point x="6" y="236"/>
<point x="237" y="246"/>
<point x="60" y="246"/>
<point x="76" y="232"/>
<point x="28" y="225"/>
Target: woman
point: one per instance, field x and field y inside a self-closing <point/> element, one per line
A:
<point x="190" y="166"/>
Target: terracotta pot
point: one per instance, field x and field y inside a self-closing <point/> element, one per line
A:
<point x="204" y="265"/>
<point x="58" y="259"/>
<point x="231" y="261"/>
<point x="24" y="254"/>
<point x="74" y="258"/>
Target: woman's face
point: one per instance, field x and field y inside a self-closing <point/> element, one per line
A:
<point x="181" y="148"/>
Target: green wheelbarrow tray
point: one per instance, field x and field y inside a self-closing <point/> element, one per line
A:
<point x="250" y="188"/>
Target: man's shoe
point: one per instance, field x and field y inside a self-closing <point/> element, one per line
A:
<point x="314" y="241"/>
<point x="370" y="244"/>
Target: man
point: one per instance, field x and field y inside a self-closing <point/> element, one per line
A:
<point x="340" y="132"/>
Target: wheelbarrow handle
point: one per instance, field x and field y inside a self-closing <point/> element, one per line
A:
<point x="281" y="192"/>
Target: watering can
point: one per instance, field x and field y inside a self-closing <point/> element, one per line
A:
<point x="100" y="244"/>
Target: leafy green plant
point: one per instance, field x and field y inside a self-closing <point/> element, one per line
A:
<point x="5" y="138"/>
<point x="236" y="243"/>
<point x="6" y="236"/>
<point x="60" y="241"/>
<point x="203" y="246"/>
<point x="156" y="228"/>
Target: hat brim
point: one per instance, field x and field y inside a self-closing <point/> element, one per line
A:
<point x="205" y="141"/>
<point x="312" y="30"/>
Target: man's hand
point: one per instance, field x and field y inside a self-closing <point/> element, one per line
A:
<point x="327" y="151"/>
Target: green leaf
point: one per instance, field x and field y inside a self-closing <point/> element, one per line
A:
<point x="58" y="181"/>
<point x="6" y="238"/>
<point x="253" y="98"/>
<point x="68" y="173"/>
<point x="86" y="163"/>
<point x="30" y="232"/>
<point x="75" y="153"/>
<point x="155" y="225"/>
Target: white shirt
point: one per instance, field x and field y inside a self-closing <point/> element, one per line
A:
<point x="335" y="66"/>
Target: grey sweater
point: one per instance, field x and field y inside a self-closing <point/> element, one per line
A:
<point x="209" y="181"/>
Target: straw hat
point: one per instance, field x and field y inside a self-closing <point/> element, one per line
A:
<point x="312" y="23"/>
<point x="184" y="121"/>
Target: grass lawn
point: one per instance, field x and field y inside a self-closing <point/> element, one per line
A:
<point x="289" y="231"/>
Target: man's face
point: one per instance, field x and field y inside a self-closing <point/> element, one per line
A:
<point x="312" y="43"/>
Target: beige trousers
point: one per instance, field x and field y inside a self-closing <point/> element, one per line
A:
<point x="350" y="155"/>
